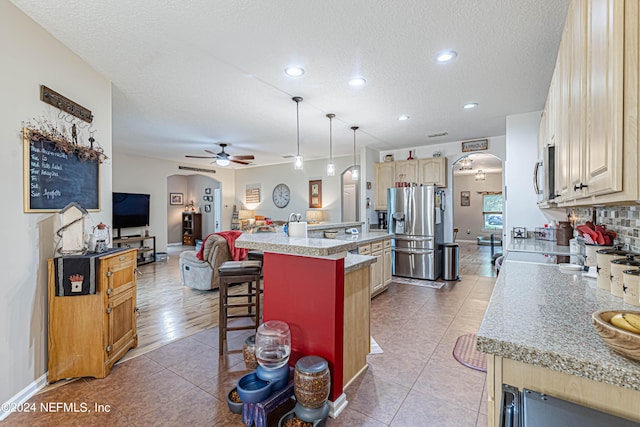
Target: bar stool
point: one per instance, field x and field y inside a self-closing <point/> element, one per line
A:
<point x="231" y="272"/>
<point x="256" y="256"/>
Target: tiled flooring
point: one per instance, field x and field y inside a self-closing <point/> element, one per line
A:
<point x="415" y="382"/>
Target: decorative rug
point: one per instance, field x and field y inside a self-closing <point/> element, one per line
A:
<point x="465" y="352"/>
<point x="418" y="282"/>
<point x="375" y="348"/>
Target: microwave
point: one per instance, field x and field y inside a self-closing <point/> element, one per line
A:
<point x="544" y="175"/>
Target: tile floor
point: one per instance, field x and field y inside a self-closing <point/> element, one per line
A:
<point x="415" y="382"/>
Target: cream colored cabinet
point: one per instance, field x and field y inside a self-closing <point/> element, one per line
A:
<point x="433" y="171"/>
<point x="379" y="271"/>
<point x="407" y="171"/>
<point x="384" y="178"/>
<point x="387" y="263"/>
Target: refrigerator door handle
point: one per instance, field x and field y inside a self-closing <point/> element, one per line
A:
<point x="413" y="251"/>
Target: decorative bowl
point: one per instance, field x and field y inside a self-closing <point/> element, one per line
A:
<point x="623" y="342"/>
<point x="234" y="407"/>
<point x="252" y="389"/>
<point x="330" y="234"/>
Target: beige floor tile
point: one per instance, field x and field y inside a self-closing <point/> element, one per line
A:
<point x="378" y="398"/>
<point x="421" y="409"/>
<point x="350" y="418"/>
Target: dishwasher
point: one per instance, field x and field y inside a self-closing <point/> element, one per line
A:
<point x="534" y="409"/>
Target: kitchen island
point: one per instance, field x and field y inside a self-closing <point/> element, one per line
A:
<point x="322" y="292"/>
<point x="537" y="333"/>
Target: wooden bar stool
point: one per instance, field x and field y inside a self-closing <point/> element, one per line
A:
<point x="231" y="272"/>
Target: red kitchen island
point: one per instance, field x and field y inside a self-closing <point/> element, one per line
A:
<point x="323" y="294"/>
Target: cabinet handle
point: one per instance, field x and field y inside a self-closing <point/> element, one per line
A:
<point x="108" y="349"/>
<point x="136" y="310"/>
<point x="109" y="291"/>
<point x="579" y="187"/>
<point x="109" y="273"/>
<point x="122" y="258"/>
<point x="109" y="310"/>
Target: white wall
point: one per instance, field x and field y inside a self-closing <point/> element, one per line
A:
<point x="175" y="184"/>
<point x="298" y="181"/>
<point x="31" y="57"/>
<point x="521" y="209"/>
<point x="452" y="151"/>
<point x="147" y="175"/>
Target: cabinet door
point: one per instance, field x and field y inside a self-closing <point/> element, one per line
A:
<point x="384" y="179"/>
<point x="377" y="273"/>
<point x="387" y="264"/>
<point x="561" y="116"/>
<point x="407" y="171"/>
<point x="575" y="57"/>
<point x="433" y="171"/>
<point x="604" y="117"/>
<point x="121" y="325"/>
<point x="118" y="273"/>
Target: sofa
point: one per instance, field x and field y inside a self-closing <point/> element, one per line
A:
<point x="203" y="275"/>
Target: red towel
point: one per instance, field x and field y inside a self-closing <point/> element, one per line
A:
<point x="237" y="254"/>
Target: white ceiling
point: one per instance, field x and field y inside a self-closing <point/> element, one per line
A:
<point x="189" y="74"/>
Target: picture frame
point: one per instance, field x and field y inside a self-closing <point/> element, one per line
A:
<point x="176" y="199"/>
<point x="465" y="198"/>
<point x="207" y="208"/>
<point x="207" y="190"/>
<point x="315" y="193"/>
<point x="475" y="145"/>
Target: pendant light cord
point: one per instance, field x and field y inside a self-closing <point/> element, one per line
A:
<point x="354" y="128"/>
<point x="331" y="116"/>
<point x="297" y="99"/>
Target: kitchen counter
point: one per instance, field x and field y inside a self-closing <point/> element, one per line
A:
<point x="333" y="225"/>
<point x="279" y="243"/>
<point x="355" y="262"/>
<point x="538" y="246"/>
<point x="538" y="325"/>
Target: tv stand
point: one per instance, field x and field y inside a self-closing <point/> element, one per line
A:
<point x="146" y="250"/>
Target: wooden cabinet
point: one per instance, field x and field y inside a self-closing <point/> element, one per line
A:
<point x="89" y="333"/>
<point x="146" y="246"/>
<point x="406" y="171"/>
<point x="433" y="171"/>
<point x="384" y="178"/>
<point x="592" y="106"/>
<point x="191" y="228"/>
<point x="379" y="271"/>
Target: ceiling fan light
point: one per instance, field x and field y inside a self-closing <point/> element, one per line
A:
<point x="297" y="163"/>
<point x="223" y="162"/>
<point x="331" y="169"/>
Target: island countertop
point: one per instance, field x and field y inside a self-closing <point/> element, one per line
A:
<point x="279" y="243"/>
<point x="542" y="316"/>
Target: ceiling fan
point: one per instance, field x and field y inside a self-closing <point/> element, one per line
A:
<point x="223" y="158"/>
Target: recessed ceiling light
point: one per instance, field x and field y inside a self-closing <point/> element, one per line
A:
<point x="403" y="117"/>
<point x="357" y="81"/>
<point x="470" y="105"/>
<point x="294" y="71"/>
<point x="446" y="56"/>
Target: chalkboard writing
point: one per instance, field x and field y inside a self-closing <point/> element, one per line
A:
<point x="53" y="178"/>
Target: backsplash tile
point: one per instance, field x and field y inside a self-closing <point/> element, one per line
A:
<point x="624" y="220"/>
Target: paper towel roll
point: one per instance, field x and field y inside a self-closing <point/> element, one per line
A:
<point x="298" y="229"/>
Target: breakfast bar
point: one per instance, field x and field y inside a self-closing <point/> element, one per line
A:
<point x="538" y="334"/>
<point x="322" y="292"/>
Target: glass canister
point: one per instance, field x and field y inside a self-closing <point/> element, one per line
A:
<point x="249" y="352"/>
<point x="312" y="381"/>
<point x="273" y="344"/>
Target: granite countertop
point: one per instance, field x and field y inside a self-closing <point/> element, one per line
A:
<point x="365" y="237"/>
<point x="278" y="242"/>
<point x="355" y="262"/>
<point x="538" y="246"/>
<point x="542" y="316"/>
<point x="333" y="226"/>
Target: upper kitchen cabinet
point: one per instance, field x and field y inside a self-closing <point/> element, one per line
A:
<point x="592" y="107"/>
<point x="407" y="171"/>
<point x="384" y="178"/>
<point x="433" y="171"/>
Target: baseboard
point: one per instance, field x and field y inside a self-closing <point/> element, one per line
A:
<point x="22" y="396"/>
<point x="174" y="244"/>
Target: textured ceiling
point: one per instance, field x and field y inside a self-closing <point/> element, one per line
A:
<point x="189" y="74"/>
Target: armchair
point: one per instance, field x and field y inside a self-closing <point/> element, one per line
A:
<point x="203" y="275"/>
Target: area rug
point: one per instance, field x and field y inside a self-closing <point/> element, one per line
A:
<point x="375" y="348"/>
<point x="418" y="282"/>
<point x="465" y="352"/>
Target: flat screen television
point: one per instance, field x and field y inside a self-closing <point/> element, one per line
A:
<point x="130" y="210"/>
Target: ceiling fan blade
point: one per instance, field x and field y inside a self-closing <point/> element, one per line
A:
<point x="201" y="157"/>
<point x="211" y="152"/>
<point x="240" y="162"/>
<point x="247" y="157"/>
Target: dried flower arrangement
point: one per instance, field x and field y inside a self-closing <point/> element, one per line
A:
<point x="44" y="129"/>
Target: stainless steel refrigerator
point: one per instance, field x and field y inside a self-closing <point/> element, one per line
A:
<point x="415" y="218"/>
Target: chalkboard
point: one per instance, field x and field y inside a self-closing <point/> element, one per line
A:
<point x="53" y="178"/>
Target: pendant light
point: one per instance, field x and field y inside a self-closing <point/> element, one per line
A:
<point x="354" y="170"/>
<point x="480" y="176"/>
<point x="331" y="168"/>
<point x="297" y="164"/>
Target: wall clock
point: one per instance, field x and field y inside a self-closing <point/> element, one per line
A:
<point x="281" y="195"/>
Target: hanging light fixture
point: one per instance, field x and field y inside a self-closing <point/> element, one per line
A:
<point x="297" y="164"/>
<point x="331" y="168"/>
<point x="465" y="164"/>
<point x="354" y="170"/>
<point x="480" y="176"/>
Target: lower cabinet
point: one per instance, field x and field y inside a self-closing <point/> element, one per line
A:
<point x="89" y="333"/>
<point x="379" y="271"/>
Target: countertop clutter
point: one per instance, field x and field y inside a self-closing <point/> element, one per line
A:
<point x="541" y="316"/>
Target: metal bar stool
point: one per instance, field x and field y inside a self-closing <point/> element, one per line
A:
<point x="231" y="272"/>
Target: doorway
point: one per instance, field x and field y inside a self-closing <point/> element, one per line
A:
<point x="350" y="195"/>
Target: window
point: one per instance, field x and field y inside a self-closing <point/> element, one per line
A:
<point x="492" y="211"/>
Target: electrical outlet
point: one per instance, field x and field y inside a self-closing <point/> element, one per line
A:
<point x="468" y="231"/>
<point x="76" y="286"/>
